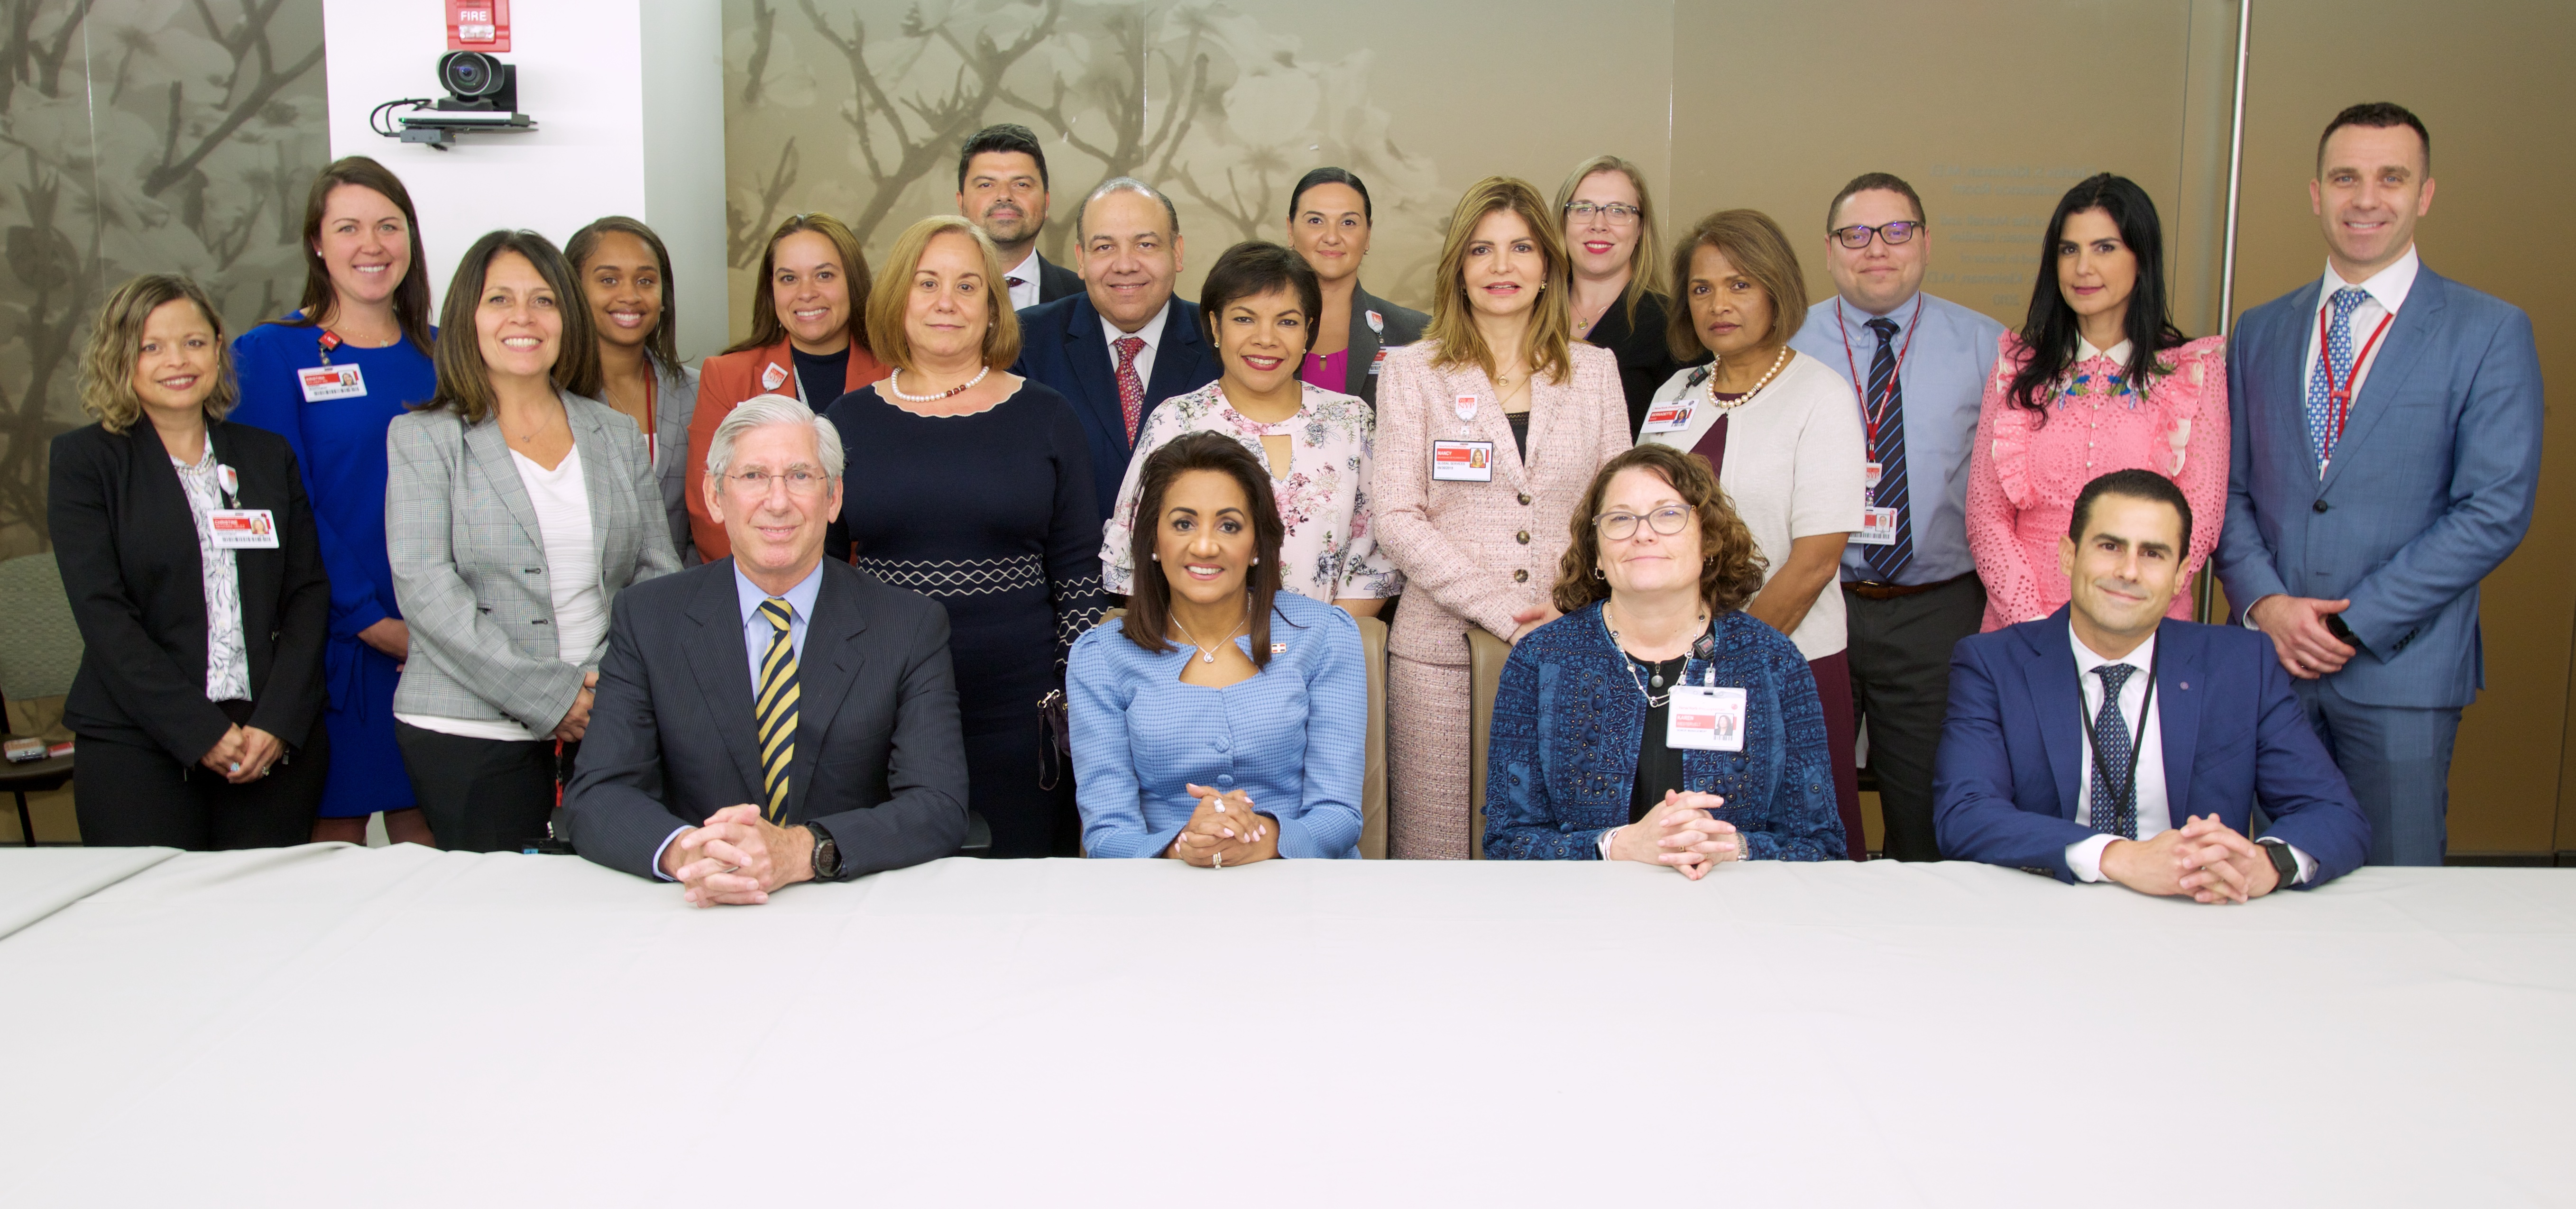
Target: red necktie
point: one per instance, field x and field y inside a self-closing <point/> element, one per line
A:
<point x="1131" y="391"/>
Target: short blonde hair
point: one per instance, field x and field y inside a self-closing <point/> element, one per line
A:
<point x="891" y="297"/>
<point x="1647" y="273"/>
<point x="1452" y="330"/>
<point x="116" y="345"/>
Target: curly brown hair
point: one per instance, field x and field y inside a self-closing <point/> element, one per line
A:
<point x="1728" y="575"/>
<point x="116" y="344"/>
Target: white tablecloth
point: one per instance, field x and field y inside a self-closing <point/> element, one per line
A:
<point x="36" y="882"/>
<point x="337" y="1026"/>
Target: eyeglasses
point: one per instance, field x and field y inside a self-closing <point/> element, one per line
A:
<point x="1617" y="214"/>
<point x="1857" y="237"/>
<point x="800" y="481"/>
<point x="1620" y="526"/>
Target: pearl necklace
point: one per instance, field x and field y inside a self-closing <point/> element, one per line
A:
<point x="1748" y="396"/>
<point x="894" y="382"/>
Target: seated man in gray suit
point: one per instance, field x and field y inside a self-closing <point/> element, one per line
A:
<point x="772" y="717"/>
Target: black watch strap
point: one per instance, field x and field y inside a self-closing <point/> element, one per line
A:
<point x="827" y="855"/>
<point x="2284" y="862"/>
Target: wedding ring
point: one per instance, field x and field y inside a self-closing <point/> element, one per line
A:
<point x="1220" y="859"/>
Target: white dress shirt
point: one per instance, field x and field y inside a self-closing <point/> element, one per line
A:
<point x="2387" y="289"/>
<point x="1151" y="334"/>
<point x="1025" y="294"/>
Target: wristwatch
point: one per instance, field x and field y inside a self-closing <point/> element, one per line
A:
<point x="2284" y="862"/>
<point x="827" y="855"/>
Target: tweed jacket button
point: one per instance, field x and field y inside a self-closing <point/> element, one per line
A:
<point x="1521" y="576"/>
<point x="1522" y="537"/>
<point x="1525" y="497"/>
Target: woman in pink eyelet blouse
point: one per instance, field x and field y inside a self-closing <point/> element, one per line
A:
<point x="2056" y="418"/>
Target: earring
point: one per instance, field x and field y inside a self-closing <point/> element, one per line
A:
<point x="1596" y="574"/>
<point x="1155" y="557"/>
<point x="1256" y="560"/>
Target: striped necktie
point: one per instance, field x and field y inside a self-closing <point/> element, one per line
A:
<point x="774" y="711"/>
<point x="1893" y="491"/>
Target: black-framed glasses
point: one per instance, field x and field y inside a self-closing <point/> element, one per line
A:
<point x="1620" y="526"/>
<point x="800" y="480"/>
<point x="1617" y="214"/>
<point x="1856" y="236"/>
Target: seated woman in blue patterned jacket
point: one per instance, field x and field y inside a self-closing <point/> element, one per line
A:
<point x="1656" y="721"/>
<point x="1221" y="721"/>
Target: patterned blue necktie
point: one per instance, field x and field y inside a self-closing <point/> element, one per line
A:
<point x="2321" y="431"/>
<point x="1888" y="450"/>
<point x="2114" y="812"/>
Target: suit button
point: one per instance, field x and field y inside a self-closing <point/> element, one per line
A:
<point x="2321" y="505"/>
<point x="1525" y="497"/>
<point x="1523" y="537"/>
<point x="1521" y="576"/>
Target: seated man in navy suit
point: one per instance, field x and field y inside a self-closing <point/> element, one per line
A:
<point x="2106" y="743"/>
<point x="1124" y="344"/>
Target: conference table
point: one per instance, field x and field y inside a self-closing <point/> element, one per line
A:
<point x="330" y="1025"/>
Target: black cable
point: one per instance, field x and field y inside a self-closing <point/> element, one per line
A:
<point x="377" y="112"/>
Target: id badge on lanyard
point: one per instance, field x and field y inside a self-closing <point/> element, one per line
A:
<point x="1704" y="717"/>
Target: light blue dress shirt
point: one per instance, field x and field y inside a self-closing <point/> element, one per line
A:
<point x="756" y="632"/>
<point x="1943" y="384"/>
<point x="1293" y="738"/>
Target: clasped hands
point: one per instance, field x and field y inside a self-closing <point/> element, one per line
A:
<point x="1224" y="830"/>
<point x="2297" y="627"/>
<point x="2204" y="859"/>
<point x="244" y="754"/>
<point x="1679" y="831"/>
<point x="737" y="858"/>
<point x="576" y="721"/>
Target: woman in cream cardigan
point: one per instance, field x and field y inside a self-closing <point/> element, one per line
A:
<point x="1489" y="431"/>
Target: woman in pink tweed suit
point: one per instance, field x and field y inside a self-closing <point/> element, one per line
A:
<point x="2097" y="380"/>
<point x="1524" y="417"/>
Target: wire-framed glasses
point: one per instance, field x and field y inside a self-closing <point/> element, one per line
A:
<point x="1620" y="526"/>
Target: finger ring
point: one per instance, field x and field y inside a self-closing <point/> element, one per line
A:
<point x="1220" y="860"/>
<point x="235" y="767"/>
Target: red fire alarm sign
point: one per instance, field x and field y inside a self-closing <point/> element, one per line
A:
<point x="478" y="25"/>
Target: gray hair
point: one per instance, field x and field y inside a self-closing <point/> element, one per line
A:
<point x="1124" y="184"/>
<point x="761" y="411"/>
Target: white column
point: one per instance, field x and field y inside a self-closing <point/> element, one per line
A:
<point x="629" y="101"/>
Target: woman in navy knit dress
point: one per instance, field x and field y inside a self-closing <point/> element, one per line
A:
<point x="973" y="487"/>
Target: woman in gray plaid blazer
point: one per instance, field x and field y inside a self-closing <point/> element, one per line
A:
<point x="515" y="512"/>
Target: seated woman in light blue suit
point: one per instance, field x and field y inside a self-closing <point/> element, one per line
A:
<point x="1221" y="721"/>
<point x="1603" y="745"/>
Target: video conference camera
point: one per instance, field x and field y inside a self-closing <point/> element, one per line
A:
<point x="482" y="95"/>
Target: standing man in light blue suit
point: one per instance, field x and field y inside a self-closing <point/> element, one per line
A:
<point x="2387" y="449"/>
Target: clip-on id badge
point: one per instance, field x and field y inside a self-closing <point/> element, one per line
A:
<point x="1670" y="415"/>
<point x="1462" y="461"/>
<point x="1702" y="718"/>
<point x="1877" y="527"/>
<point x="242" y="528"/>
<point x="322" y="382"/>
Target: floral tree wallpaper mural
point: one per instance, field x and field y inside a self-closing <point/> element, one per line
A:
<point x="140" y="136"/>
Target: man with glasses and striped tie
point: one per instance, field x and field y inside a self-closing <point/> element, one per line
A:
<point x="2107" y="742"/>
<point x="772" y="717"/>
<point x="1918" y="367"/>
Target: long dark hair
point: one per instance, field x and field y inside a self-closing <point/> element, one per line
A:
<point x="464" y="381"/>
<point x="2050" y="330"/>
<point x="662" y="346"/>
<point x="411" y="298"/>
<point x="1149" y="608"/>
<point x="766" y="327"/>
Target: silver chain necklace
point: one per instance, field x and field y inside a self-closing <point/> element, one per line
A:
<point x="1652" y="701"/>
<point x="1206" y="655"/>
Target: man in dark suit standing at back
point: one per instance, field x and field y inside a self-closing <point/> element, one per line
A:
<point x="776" y="716"/>
<point x="1124" y="344"/>
<point x="2385" y="456"/>
<point x="1002" y="187"/>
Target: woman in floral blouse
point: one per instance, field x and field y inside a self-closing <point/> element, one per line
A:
<point x="1260" y="304"/>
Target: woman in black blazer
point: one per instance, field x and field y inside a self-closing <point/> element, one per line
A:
<point x="1329" y="217"/>
<point x="195" y="572"/>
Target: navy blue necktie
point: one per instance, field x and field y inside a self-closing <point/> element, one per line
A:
<point x="1888" y="450"/>
<point x="2115" y="786"/>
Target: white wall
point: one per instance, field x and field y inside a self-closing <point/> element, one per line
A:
<point x="628" y="122"/>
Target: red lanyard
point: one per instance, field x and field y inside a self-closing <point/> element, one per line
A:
<point x="2340" y="399"/>
<point x="1870" y="419"/>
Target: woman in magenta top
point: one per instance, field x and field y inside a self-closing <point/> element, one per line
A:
<point x="2097" y="380"/>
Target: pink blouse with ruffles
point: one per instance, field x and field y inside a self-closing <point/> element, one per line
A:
<point x="2024" y="475"/>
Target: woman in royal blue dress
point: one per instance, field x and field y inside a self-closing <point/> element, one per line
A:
<point x="973" y="486"/>
<point x="329" y="377"/>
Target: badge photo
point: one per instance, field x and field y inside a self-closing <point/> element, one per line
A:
<point x="1462" y="461"/>
<point x="1669" y="416"/>
<point x="323" y="382"/>
<point x="1877" y="527"/>
<point x="1705" y="719"/>
<point x="242" y="528"/>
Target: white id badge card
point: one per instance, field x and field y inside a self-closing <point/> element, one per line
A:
<point x="1869" y="475"/>
<point x="1462" y="461"/>
<point x="243" y="528"/>
<point x="1877" y="527"/>
<point x="1705" y="719"/>
<point x="1672" y="415"/>
<point x="323" y="382"/>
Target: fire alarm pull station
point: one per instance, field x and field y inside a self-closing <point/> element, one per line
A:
<point x="478" y="25"/>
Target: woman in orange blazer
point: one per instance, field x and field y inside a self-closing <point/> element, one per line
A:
<point x="809" y="339"/>
<point x="1490" y="429"/>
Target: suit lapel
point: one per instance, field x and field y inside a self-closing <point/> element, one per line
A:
<point x="2281" y="401"/>
<point x="721" y="662"/>
<point x="611" y="526"/>
<point x="2409" y="337"/>
<point x="2050" y="674"/>
<point x="1177" y="362"/>
<point x="1364" y="343"/>
<point x="483" y="443"/>
<point x="2177" y="711"/>
<point x="1095" y="373"/>
<point x="824" y="673"/>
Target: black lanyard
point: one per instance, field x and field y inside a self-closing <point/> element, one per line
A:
<point x="2092" y="736"/>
